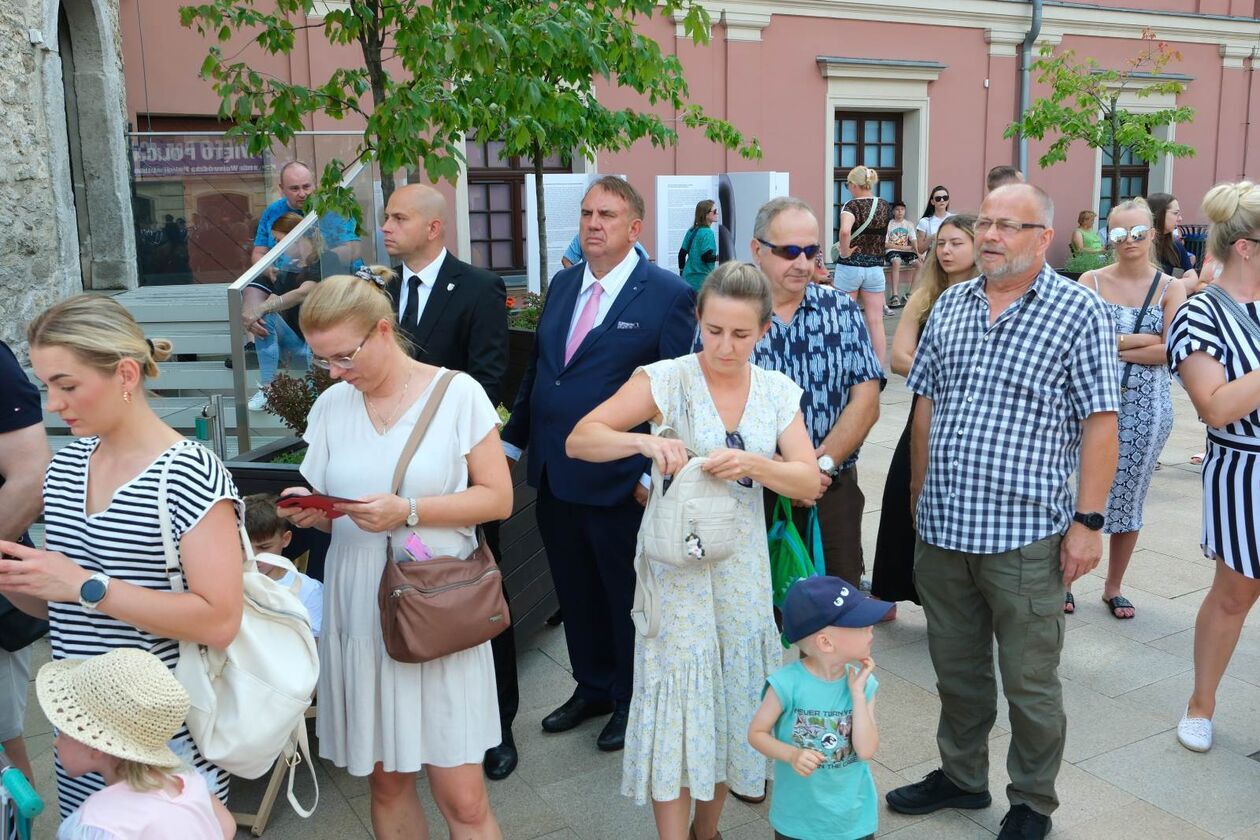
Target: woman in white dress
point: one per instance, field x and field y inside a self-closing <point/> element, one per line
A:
<point x="698" y="682"/>
<point x="380" y="718"/>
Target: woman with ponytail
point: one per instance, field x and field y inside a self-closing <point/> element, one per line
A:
<point x="101" y="579"/>
<point x="1214" y="349"/>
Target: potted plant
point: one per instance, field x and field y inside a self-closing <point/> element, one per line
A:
<point x="1083" y="262"/>
<point x="523" y="313"/>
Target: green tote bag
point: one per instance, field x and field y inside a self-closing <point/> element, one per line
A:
<point x="790" y="558"/>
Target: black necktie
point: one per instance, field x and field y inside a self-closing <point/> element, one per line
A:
<point x="409" y="316"/>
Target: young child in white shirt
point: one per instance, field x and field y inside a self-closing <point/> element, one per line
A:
<point x="269" y="534"/>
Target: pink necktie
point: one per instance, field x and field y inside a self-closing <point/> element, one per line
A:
<point x="585" y="321"/>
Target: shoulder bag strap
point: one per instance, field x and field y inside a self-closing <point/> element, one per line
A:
<point x="871" y="215"/>
<point x="173" y="571"/>
<point x="422" y="426"/>
<point x="1235" y="310"/>
<point x="1137" y="325"/>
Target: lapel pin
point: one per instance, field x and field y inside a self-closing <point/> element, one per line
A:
<point x="450" y="287"/>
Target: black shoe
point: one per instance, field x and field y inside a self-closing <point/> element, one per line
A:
<point x="500" y="761"/>
<point x="573" y="712"/>
<point x="936" y="791"/>
<point x="613" y="737"/>
<point x="1023" y="823"/>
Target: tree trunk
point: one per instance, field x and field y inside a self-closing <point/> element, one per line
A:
<point x="1116" y="198"/>
<point x="543" y="276"/>
<point x="371" y="41"/>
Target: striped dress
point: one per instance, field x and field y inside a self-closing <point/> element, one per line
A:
<point x="124" y="541"/>
<point x="1231" y="465"/>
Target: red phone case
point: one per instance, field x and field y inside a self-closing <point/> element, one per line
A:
<point x="317" y="501"/>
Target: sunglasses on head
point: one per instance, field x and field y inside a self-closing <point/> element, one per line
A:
<point x="940" y="198"/>
<point x="734" y="440"/>
<point x="791" y="252"/>
<point x="1137" y="233"/>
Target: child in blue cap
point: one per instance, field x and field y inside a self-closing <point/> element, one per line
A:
<point x="817" y="716"/>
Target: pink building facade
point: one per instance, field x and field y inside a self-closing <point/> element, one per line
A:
<point x="922" y="90"/>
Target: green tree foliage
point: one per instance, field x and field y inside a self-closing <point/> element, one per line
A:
<point x="435" y="71"/>
<point x="1083" y="105"/>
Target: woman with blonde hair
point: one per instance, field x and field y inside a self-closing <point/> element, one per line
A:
<point x="698" y="682"/>
<point x="951" y="260"/>
<point x="380" y="718"/>
<point x="101" y="579"/>
<point x="1214" y="349"/>
<point x="860" y="252"/>
<point x="1142" y="300"/>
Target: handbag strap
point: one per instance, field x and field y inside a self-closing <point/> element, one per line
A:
<point x="1137" y="325"/>
<point x="422" y="426"/>
<point x="871" y="215"/>
<point x="174" y="570"/>
<point x="1235" y="310"/>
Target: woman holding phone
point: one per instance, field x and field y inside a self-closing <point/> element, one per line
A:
<point x="380" y="718"/>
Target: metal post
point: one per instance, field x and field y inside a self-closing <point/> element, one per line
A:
<point x="218" y="428"/>
<point x="239" y="387"/>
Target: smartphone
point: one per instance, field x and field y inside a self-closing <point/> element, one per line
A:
<point x="319" y="501"/>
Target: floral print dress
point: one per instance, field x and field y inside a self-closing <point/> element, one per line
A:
<point x="698" y="683"/>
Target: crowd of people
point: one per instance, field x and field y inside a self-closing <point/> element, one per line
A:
<point x="1040" y="408"/>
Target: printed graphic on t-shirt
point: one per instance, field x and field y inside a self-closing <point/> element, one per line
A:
<point x="828" y="733"/>
<point x="899" y="236"/>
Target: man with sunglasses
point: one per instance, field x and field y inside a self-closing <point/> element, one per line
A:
<point x="818" y="338"/>
<point x="1018" y="389"/>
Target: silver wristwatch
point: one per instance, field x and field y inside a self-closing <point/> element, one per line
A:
<point x="827" y="465"/>
<point x="93" y="591"/>
<point x="413" y="518"/>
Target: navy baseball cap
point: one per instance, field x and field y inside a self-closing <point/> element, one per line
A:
<point x="817" y="602"/>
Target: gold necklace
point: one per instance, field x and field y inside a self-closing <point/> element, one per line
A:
<point x="385" y="424"/>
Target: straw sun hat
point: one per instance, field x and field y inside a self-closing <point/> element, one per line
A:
<point x="125" y="703"/>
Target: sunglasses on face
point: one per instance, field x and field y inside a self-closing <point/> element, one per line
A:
<point x="791" y="252"/>
<point x="1137" y="233"/>
<point x="940" y="198"/>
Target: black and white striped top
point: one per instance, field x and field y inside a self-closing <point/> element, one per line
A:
<point x="1231" y="468"/>
<point x="124" y="541"/>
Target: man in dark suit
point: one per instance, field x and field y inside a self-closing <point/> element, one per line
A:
<point x="603" y="318"/>
<point x="456" y="316"/>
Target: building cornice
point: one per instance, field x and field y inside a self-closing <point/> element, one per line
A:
<point x="838" y="67"/>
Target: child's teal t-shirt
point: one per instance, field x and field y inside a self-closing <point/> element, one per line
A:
<point x="838" y="800"/>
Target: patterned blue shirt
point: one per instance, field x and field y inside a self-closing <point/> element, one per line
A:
<point x="826" y="350"/>
<point x="1008" y="404"/>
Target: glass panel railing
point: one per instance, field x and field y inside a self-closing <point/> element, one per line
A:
<point x="316" y="248"/>
<point x="198" y="196"/>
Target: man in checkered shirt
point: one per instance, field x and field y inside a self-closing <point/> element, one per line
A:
<point x="1018" y="384"/>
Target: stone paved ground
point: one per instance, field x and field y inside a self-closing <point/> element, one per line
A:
<point x="1124" y="684"/>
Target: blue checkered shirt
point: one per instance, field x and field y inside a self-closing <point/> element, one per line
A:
<point x="826" y="350"/>
<point x="1008" y="403"/>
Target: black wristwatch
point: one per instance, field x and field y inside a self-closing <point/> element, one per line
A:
<point x="1092" y="521"/>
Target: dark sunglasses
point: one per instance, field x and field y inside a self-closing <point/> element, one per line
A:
<point x="791" y="252"/>
<point x="734" y="440"/>
<point x="940" y="198"/>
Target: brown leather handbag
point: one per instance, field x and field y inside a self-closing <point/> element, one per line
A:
<point x="432" y="608"/>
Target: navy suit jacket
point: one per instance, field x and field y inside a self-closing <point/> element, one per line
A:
<point x="652" y="318"/>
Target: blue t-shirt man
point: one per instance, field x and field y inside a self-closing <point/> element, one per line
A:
<point x="335" y="229"/>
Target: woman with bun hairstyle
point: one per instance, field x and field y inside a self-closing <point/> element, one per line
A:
<point x="101" y="578"/>
<point x="380" y="718"/>
<point x="1214" y="349"/>
<point x="860" y="252"/>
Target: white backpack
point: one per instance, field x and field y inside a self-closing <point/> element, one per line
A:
<point x="249" y="701"/>
<point x="690" y="522"/>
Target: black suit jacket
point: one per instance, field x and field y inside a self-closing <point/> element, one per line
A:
<point x="464" y="324"/>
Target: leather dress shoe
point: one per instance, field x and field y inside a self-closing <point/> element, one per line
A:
<point x="500" y="761"/>
<point x="613" y="737"/>
<point x="575" y="710"/>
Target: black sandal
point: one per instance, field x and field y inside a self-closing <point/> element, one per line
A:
<point x="1120" y="603"/>
<point x="1069" y="604"/>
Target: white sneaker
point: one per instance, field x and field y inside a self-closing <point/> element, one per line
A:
<point x="1195" y="733"/>
<point x="258" y="402"/>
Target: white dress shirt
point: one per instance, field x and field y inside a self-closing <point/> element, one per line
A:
<point x="428" y="276"/>
<point x="612" y="282"/>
